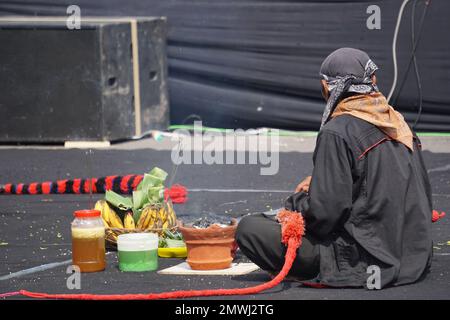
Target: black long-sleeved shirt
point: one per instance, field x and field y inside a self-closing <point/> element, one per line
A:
<point x="369" y="203"/>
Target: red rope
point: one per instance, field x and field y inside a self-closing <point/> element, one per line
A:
<point x="9" y="294"/>
<point x="436" y="215"/>
<point x="177" y="193"/>
<point x="292" y="229"/>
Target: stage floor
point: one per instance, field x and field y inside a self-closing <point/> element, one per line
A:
<point x="35" y="230"/>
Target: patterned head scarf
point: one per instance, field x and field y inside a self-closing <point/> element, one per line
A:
<point x="346" y="70"/>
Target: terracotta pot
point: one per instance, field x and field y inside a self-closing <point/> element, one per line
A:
<point x="209" y="248"/>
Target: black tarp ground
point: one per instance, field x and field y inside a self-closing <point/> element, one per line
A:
<point x="255" y="63"/>
<point x="36" y="229"/>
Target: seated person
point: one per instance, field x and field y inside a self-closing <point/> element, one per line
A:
<point x="368" y="201"/>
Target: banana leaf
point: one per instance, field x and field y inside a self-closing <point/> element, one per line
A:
<point x="118" y="201"/>
<point x="149" y="191"/>
<point x="137" y="214"/>
<point x="170" y="243"/>
<point x="173" y="235"/>
<point x="154" y="178"/>
<point x="139" y="199"/>
<point x="162" y="243"/>
<point x="155" y="194"/>
<point x="159" y="173"/>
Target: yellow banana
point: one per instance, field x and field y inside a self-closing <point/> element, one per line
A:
<point x="129" y="221"/>
<point x="151" y="218"/>
<point x="114" y="218"/>
<point x="142" y="218"/>
<point x="157" y="218"/>
<point x="171" y="217"/>
<point x="105" y="224"/>
<point x="98" y="205"/>
<point x="168" y="211"/>
<point x="162" y="217"/>
<point x="165" y="224"/>
<point x="103" y="207"/>
<point x="163" y="214"/>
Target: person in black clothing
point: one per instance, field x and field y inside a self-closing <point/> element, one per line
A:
<point x="368" y="201"/>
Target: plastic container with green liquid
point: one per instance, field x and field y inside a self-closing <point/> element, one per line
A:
<point x="138" y="252"/>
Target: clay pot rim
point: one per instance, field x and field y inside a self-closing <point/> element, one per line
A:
<point x="210" y="242"/>
<point x="213" y="227"/>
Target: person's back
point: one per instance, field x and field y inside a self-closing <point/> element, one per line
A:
<point x="390" y="218"/>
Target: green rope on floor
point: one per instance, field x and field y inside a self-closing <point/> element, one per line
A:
<point x="286" y="133"/>
<point x="433" y="134"/>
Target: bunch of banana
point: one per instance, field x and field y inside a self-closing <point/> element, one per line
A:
<point x="156" y="217"/>
<point x="148" y="218"/>
<point x="152" y="217"/>
<point x="110" y="218"/>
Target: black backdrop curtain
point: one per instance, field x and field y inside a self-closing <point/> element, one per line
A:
<point x="255" y="63"/>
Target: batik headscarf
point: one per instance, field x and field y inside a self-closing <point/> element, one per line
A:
<point x="350" y="70"/>
<point x="346" y="70"/>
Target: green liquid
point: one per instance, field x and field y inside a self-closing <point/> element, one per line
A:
<point x="138" y="261"/>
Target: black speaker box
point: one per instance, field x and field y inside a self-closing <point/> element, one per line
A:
<point x="103" y="82"/>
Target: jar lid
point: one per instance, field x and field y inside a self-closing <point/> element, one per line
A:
<point x="137" y="242"/>
<point x="87" y="213"/>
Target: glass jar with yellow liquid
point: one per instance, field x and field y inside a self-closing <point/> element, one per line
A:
<point x="88" y="241"/>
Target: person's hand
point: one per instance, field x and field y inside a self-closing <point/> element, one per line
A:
<point x="304" y="185"/>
